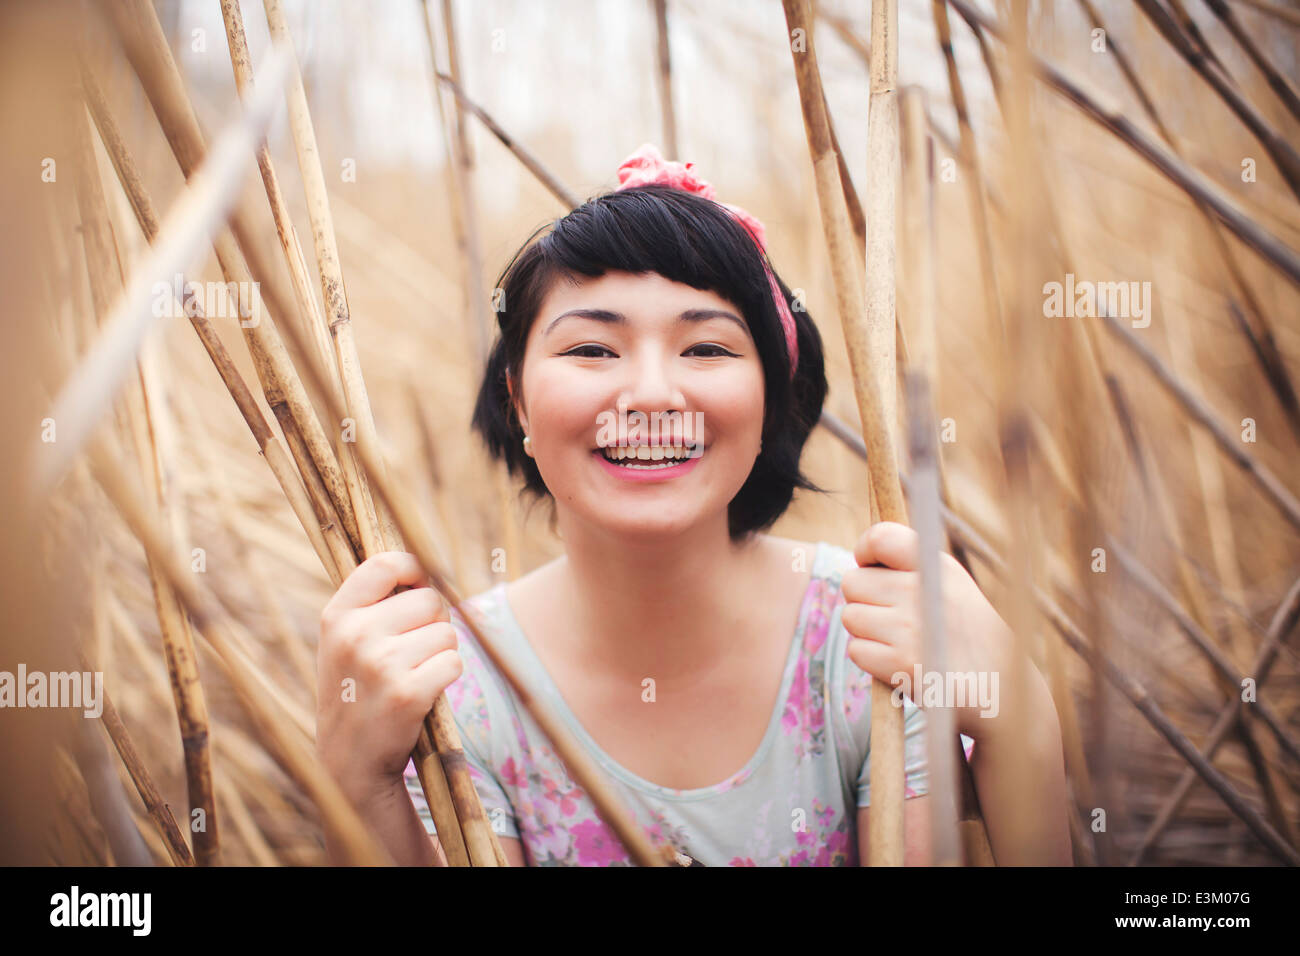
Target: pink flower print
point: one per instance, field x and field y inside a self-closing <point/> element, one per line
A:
<point x="595" y="844"/>
<point x="741" y="861"/>
<point x="512" y="775"/>
<point x="799" y="859"/>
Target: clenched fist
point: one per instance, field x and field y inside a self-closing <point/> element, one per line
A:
<point x="383" y="660"/>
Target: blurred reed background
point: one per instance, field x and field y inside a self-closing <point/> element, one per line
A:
<point x="1124" y="482"/>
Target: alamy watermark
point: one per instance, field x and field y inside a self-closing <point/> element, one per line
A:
<point x="948" y="689"/>
<point x="215" y="300"/>
<point x="675" y="429"/>
<point x="82" y="690"/>
<point x="1089" y="300"/>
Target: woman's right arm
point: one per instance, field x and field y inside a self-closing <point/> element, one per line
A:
<point x="383" y="660"/>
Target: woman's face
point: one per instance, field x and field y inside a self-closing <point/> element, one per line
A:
<point x="601" y="351"/>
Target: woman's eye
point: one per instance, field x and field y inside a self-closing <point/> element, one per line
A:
<point x="709" y="351"/>
<point x="589" y="351"/>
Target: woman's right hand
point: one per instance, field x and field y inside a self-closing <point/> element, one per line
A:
<point x="382" y="661"/>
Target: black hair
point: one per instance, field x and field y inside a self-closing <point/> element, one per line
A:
<point x="684" y="238"/>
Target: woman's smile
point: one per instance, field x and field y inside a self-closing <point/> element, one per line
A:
<point x="640" y="463"/>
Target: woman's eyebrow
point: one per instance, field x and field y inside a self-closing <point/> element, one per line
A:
<point x="618" y="318"/>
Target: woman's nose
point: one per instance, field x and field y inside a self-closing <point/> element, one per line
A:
<point x="652" y="385"/>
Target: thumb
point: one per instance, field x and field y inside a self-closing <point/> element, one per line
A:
<point x="890" y="544"/>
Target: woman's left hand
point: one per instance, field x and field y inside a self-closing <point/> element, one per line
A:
<point x="882" y="615"/>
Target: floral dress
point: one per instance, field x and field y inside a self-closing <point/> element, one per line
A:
<point x="793" y="804"/>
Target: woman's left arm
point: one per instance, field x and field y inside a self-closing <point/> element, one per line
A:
<point x="1017" y="762"/>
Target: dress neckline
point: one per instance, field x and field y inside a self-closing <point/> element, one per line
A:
<point x="617" y="770"/>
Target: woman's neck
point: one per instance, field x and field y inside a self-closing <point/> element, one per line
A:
<point x="657" y="607"/>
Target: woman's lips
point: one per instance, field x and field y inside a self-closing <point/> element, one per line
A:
<point x="635" y="474"/>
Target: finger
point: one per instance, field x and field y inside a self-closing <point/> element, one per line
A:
<point x="871" y="622"/>
<point x="376" y="577"/>
<point x="403" y="612"/>
<point x="876" y="585"/>
<point x="879" y="660"/>
<point x="889" y="543"/>
<point x="434" y="676"/>
<point x="411" y="649"/>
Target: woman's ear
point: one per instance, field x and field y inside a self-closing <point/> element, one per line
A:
<point x="515" y="402"/>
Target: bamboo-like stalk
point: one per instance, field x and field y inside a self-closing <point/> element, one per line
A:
<point x="1181" y="174"/>
<point x="157" y="809"/>
<point x="146" y="47"/>
<point x="300" y="280"/>
<point x="83" y="401"/>
<point x="383" y="534"/>
<point x="311" y="504"/>
<point x="1088" y="348"/>
<point x="874" y="392"/>
<point x="1277" y="11"/>
<point x="371" y="526"/>
<point x="580" y="766"/>
<point x="1275" y="78"/>
<point x="1132" y="689"/>
<point x="1255" y="321"/>
<point x="1197" y="408"/>
<point x="553" y="185"/>
<point x="940" y="726"/>
<point x="1202" y="60"/>
<point x="105" y="271"/>
<point x="664" y="74"/>
<point x="212" y="621"/>
<point x="457" y="195"/>
<point x="970" y="159"/>
<point x="1284" y="620"/>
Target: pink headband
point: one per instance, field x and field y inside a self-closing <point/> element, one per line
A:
<point x="647" y="167"/>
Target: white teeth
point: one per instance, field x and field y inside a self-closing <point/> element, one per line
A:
<point x="660" y="456"/>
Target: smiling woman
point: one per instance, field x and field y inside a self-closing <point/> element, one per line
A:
<point x="719" y="675"/>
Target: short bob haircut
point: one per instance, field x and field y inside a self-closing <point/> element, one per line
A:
<point x="684" y="238"/>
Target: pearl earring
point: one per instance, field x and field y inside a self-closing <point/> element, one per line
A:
<point x="528" y="445"/>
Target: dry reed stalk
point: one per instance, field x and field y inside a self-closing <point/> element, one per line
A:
<point x="372" y="527"/>
<point x="200" y="209"/>
<point x="1197" y="408"/>
<point x="212" y="621"/>
<point x="1132" y="690"/>
<point x="429" y="453"/>
<point x="1274" y="77"/>
<point x="1220" y="661"/>
<point x="109" y="803"/>
<point x="1280" y="627"/>
<point x="158" y="810"/>
<point x="382" y="534"/>
<point x="874" y="386"/>
<point x="664" y="74"/>
<point x="1017" y="383"/>
<point x="918" y="264"/>
<point x="553" y="185"/>
<point x="1191" y="46"/>
<point x="1255" y="321"/>
<point x="311" y="504"/>
<point x="241" y="819"/>
<point x="461" y="220"/>
<point x="969" y="156"/>
<point x="1277" y="11"/>
<point x="941" y="762"/>
<point x="106" y="284"/>
<point x="1181" y="174"/>
<point x="433" y="781"/>
<point x="580" y="766"/>
<point x="146" y="47"/>
<point x="1090" y="351"/>
<point x="300" y="280"/>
